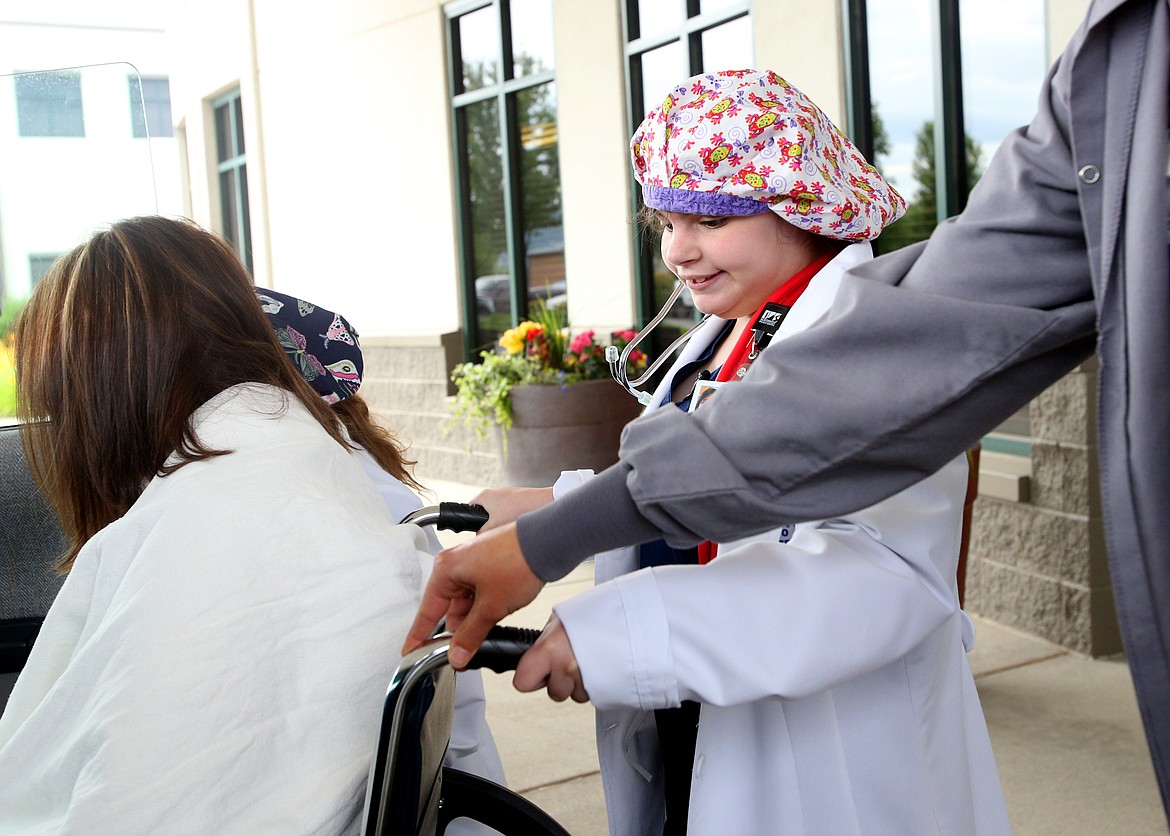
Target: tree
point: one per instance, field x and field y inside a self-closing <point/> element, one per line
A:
<point x="921" y="216"/>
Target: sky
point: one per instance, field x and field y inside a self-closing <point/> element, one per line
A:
<point x="1003" y="66"/>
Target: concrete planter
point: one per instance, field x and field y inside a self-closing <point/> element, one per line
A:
<point x="555" y="429"/>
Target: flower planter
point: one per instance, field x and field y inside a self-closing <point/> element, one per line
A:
<point x="555" y="429"/>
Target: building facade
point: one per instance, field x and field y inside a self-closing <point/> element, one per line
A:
<point x="430" y="169"/>
<point x="86" y="133"/>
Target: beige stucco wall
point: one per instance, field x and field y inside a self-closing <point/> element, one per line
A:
<point x="802" y="42"/>
<point x="346" y="120"/>
<point x="1062" y="17"/>
<point x="595" y="178"/>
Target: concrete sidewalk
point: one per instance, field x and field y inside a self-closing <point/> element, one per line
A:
<point x="1067" y="736"/>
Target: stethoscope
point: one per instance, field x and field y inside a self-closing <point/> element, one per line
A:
<point x="618" y="360"/>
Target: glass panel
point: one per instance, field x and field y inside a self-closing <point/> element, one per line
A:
<point x="49" y="104"/>
<point x="1003" y="68"/>
<point x="658" y="16"/>
<point x="137" y="120"/>
<point x="238" y="125"/>
<point x="156" y="97"/>
<point x="532" y="37"/>
<point x="479" y="48"/>
<point x="245" y="218"/>
<point x="708" y="6"/>
<point x="540" y="184"/>
<point x="489" y="244"/>
<point x="662" y="69"/>
<point x="227" y="207"/>
<point x="106" y="173"/>
<point x="729" y="46"/>
<point x="151" y="96"/>
<point x="901" y="73"/>
<point x="223" y="133"/>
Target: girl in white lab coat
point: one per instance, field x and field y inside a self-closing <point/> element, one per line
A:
<point x="827" y="660"/>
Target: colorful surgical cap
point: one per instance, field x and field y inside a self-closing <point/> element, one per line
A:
<point x="742" y="142"/>
<point x="321" y="344"/>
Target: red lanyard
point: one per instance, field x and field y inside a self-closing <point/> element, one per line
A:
<point x="750" y="344"/>
<point x="747" y="346"/>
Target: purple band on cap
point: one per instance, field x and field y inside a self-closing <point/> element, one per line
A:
<point x="686" y="202"/>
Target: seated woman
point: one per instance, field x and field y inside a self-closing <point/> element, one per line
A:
<point x="236" y="591"/>
<point x="327" y="352"/>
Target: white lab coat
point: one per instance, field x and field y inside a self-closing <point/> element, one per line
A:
<point x="836" y="695"/>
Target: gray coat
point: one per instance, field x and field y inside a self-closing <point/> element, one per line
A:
<point x="1062" y="249"/>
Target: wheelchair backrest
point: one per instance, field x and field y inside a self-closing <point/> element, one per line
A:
<point x="31" y="540"/>
<point x="405" y="782"/>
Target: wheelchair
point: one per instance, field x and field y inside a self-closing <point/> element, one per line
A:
<point x="31" y="539"/>
<point x="409" y="790"/>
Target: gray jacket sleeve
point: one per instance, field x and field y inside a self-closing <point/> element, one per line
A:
<point x="924" y="351"/>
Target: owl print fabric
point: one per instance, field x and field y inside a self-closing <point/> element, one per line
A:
<point x="742" y="142"/>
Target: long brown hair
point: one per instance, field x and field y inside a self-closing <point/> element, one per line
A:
<point x="376" y="439"/>
<point x="121" y="341"/>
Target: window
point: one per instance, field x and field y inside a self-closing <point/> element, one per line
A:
<point x="150" y="107"/>
<point x="38" y="265"/>
<point x="504" y="98"/>
<point x="49" y="104"/>
<point x="988" y="58"/>
<point x="668" y="41"/>
<point x="235" y="222"/>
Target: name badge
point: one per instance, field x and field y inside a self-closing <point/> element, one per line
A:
<point x="703" y="390"/>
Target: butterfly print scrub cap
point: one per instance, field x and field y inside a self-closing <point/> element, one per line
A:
<point x="742" y="142"/>
<point x="320" y="343"/>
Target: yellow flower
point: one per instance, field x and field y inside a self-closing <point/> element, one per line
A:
<point x="514" y="339"/>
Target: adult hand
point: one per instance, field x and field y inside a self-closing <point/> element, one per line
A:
<point x="550" y="663"/>
<point x="474" y="585"/>
<point x="504" y="505"/>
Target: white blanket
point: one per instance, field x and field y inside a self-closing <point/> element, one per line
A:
<point x="216" y="659"/>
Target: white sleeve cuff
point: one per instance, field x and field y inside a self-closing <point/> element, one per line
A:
<point x="569" y="481"/>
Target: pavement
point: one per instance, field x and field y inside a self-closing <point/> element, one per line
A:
<point x="1065" y="729"/>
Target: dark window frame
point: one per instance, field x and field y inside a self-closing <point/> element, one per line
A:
<point x="690" y="31"/>
<point x="503" y="92"/>
<point x="951" y="182"/>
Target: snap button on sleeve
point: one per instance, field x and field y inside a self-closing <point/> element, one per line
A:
<point x="1089" y="174"/>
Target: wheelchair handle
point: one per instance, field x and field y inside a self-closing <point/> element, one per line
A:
<point x="450" y="516"/>
<point x="502" y="648"/>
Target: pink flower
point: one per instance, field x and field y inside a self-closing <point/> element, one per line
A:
<point x="626" y="335"/>
<point x="581" y="342"/>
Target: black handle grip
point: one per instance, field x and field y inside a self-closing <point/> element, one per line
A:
<point x="461" y="516"/>
<point x="502" y="648"/>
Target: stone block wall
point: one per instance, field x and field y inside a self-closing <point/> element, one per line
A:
<point x="407" y="385"/>
<point x="1040" y="565"/>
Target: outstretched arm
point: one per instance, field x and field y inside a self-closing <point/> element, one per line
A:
<point x="474" y="585"/>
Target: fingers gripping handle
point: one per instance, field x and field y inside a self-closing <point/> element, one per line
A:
<point x="502" y="648"/>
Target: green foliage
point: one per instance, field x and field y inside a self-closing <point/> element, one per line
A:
<point x="9" y="310"/>
<point x="8" y="314"/>
<point x="922" y="214"/>
<point x="539" y="351"/>
<point x="483" y="389"/>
